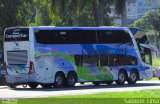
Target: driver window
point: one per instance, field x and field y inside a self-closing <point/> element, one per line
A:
<point x="146" y="55"/>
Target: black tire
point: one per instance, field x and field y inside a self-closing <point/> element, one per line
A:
<point x="71" y="79"/>
<point x="122" y="76"/>
<point x="59" y="80"/>
<point x="46" y="85"/>
<point x="24" y="85"/>
<point x="108" y="82"/>
<point x="12" y="86"/>
<point x="96" y="83"/>
<point x="82" y="83"/>
<point x="33" y="85"/>
<point x="133" y="77"/>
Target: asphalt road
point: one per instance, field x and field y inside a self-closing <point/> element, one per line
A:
<point x="87" y="88"/>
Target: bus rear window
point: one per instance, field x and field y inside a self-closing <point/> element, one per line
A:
<point x="17" y="34"/>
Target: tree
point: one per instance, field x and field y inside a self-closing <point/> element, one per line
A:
<point x="8" y="10"/>
<point x="40" y="12"/>
<point x="121" y="9"/>
<point x="100" y="10"/>
<point x="12" y="14"/>
<point x="150" y="22"/>
<point x="72" y="10"/>
<point x="69" y="10"/>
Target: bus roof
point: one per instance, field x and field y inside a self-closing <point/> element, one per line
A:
<point x="79" y="28"/>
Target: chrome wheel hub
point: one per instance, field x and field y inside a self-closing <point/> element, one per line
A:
<point x="59" y="80"/>
<point x="133" y="76"/>
<point x="121" y="77"/>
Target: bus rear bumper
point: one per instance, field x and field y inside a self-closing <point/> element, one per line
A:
<point x="22" y="78"/>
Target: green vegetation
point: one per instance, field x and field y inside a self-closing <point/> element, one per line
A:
<point x="155" y="78"/>
<point x="101" y="98"/>
<point x="156" y="61"/>
<point x="70" y="101"/>
<point x="150" y="23"/>
<point x="132" y="94"/>
<point x="54" y="12"/>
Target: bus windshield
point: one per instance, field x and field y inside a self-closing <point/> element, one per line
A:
<point x="142" y="42"/>
<point x="17" y="34"/>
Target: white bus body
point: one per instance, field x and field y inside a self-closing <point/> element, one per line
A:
<point x="35" y="55"/>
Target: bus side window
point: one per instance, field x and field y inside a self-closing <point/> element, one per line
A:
<point x="146" y="55"/>
<point x="86" y="60"/>
<point x="90" y="60"/>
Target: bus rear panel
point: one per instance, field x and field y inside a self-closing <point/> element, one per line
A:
<point x="17" y="55"/>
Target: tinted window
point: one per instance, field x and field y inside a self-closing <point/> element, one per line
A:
<point x="117" y="60"/>
<point x="17" y="34"/>
<point x="140" y="36"/>
<point x="65" y="37"/>
<point x="146" y="55"/>
<point x="86" y="60"/>
<point x="90" y="60"/>
<point x="105" y="60"/>
<point x="82" y="37"/>
<point x="114" y="36"/>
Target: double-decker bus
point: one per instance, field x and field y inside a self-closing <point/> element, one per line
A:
<point x="62" y="56"/>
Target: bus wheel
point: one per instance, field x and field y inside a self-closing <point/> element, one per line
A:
<point x="133" y="77"/>
<point x="59" y="80"/>
<point x="82" y="83"/>
<point x="46" y="85"/>
<point x="96" y="83"/>
<point x="24" y="85"/>
<point x="108" y="82"/>
<point x="121" y="77"/>
<point x="12" y="86"/>
<point x="33" y="85"/>
<point x="71" y="79"/>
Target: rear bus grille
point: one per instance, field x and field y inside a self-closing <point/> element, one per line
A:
<point x="17" y="57"/>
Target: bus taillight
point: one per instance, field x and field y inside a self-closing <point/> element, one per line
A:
<point x="31" y="68"/>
